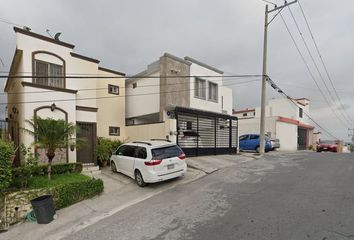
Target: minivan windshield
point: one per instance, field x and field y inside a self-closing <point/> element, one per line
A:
<point x="166" y="152"/>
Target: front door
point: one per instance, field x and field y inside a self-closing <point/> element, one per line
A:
<point x="301" y="139"/>
<point x="86" y="152"/>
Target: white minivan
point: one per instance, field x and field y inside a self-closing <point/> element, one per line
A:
<point x="149" y="161"/>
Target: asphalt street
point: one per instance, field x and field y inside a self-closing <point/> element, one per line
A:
<point x="283" y="196"/>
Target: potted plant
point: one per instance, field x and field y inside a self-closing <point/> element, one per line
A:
<point x="103" y="151"/>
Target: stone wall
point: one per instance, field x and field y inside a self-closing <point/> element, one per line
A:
<point x="18" y="204"/>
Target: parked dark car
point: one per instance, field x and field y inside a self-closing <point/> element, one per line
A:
<point x="252" y="142"/>
<point x="327" y="146"/>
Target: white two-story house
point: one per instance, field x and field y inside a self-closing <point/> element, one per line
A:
<point x="44" y="87"/>
<point x="172" y="81"/>
<point x="185" y="101"/>
<point x="286" y="120"/>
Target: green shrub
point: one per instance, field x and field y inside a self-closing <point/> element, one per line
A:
<point x="105" y="147"/>
<point x="32" y="159"/>
<point x="70" y="193"/>
<point x="65" y="168"/>
<point x="6" y="151"/>
<point x="21" y="175"/>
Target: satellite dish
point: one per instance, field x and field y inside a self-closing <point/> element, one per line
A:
<point x="56" y="36"/>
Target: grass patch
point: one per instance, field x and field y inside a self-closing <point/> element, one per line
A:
<point x="59" y="179"/>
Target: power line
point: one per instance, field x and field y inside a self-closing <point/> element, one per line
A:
<point x="106" y="88"/>
<point x="314" y="62"/>
<point x="323" y="63"/>
<point x="10" y="23"/>
<point x="129" y="77"/>
<point x="108" y="97"/>
<point x="309" y="70"/>
<point x="292" y="100"/>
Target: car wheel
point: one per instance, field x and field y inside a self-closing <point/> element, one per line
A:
<point x="257" y="149"/>
<point x="113" y="167"/>
<point x="139" y="179"/>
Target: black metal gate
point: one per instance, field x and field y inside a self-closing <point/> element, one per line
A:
<point x="206" y="133"/>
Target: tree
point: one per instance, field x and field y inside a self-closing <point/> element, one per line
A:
<point x="51" y="134"/>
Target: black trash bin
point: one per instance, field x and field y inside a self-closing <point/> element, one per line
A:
<point x="43" y="208"/>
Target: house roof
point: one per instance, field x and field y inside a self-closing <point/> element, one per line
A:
<point x="244" y="111"/>
<point x="203" y="64"/>
<point x="84" y="57"/>
<point x="295" y="122"/>
<point x="303" y="99"/>
<point x="14" y="63"/>
<point x="111" y="71"/>
<point x="44" y="38"/>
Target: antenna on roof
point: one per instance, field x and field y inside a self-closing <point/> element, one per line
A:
<point x="26" y="28"/>
<point x="48" y="32"/>
<point x="56" y="36"/>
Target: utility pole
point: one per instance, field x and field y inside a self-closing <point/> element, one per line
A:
<point x="264" y="72"/>
<point x="351" y="134"/>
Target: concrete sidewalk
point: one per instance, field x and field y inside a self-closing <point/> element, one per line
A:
<point x="120" y="192"/>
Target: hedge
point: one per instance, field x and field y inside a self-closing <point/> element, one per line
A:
<point x="68" y="194"/>
<point x="6" y="151"/>
<point x="20" y="175"/>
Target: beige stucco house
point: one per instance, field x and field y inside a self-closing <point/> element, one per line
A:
<point x="96" y="105"/>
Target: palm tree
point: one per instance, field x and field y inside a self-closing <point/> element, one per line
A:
<point x="51" y="134"/>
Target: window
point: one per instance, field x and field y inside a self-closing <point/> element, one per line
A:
<point x="140" y="152"/>
<point x="53" y="72"/>
<point x="244" y="137"/>
<point x="213" y="91"/>
<point x="301" y="112"/>
<point x="127" y="151"/>
<point x="166" y="152"/>
<point x="114" y="131"/>
<point x="252" y="137"/>
<point x="113" y="89"/>
<point x="244" y="115"/>
<point x="200" y="88"/>
<point x="135" y="85"/>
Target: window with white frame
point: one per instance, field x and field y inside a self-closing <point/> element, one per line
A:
<point x="49" y="74"/>
<point x="200" y="88"/>
<point x="114" y="131"/>
<point x="213" y="92"/>
<point x="113" y="89"/>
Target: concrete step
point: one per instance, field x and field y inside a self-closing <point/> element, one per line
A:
<point x="90" y="168"/>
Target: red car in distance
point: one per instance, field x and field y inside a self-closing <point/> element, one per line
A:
<point x="327" y="146"/>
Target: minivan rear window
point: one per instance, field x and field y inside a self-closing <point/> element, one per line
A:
<point x="166" y="152"/>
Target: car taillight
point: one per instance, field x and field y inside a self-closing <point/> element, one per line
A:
<point x="153" y="162"/>
<point x="182" y="156"/>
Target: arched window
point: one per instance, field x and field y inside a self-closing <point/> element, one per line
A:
<point x="48" y="69"/>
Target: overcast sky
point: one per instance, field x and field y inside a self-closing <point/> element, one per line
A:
<point x="227" y="34"/>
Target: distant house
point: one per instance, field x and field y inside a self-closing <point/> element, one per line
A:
<point x="284" y="120"/>
<point x="97" y="106"/>
<point x="181" y="99"/>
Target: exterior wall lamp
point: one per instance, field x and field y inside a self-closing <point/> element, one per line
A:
<point x="53" y="107"/>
